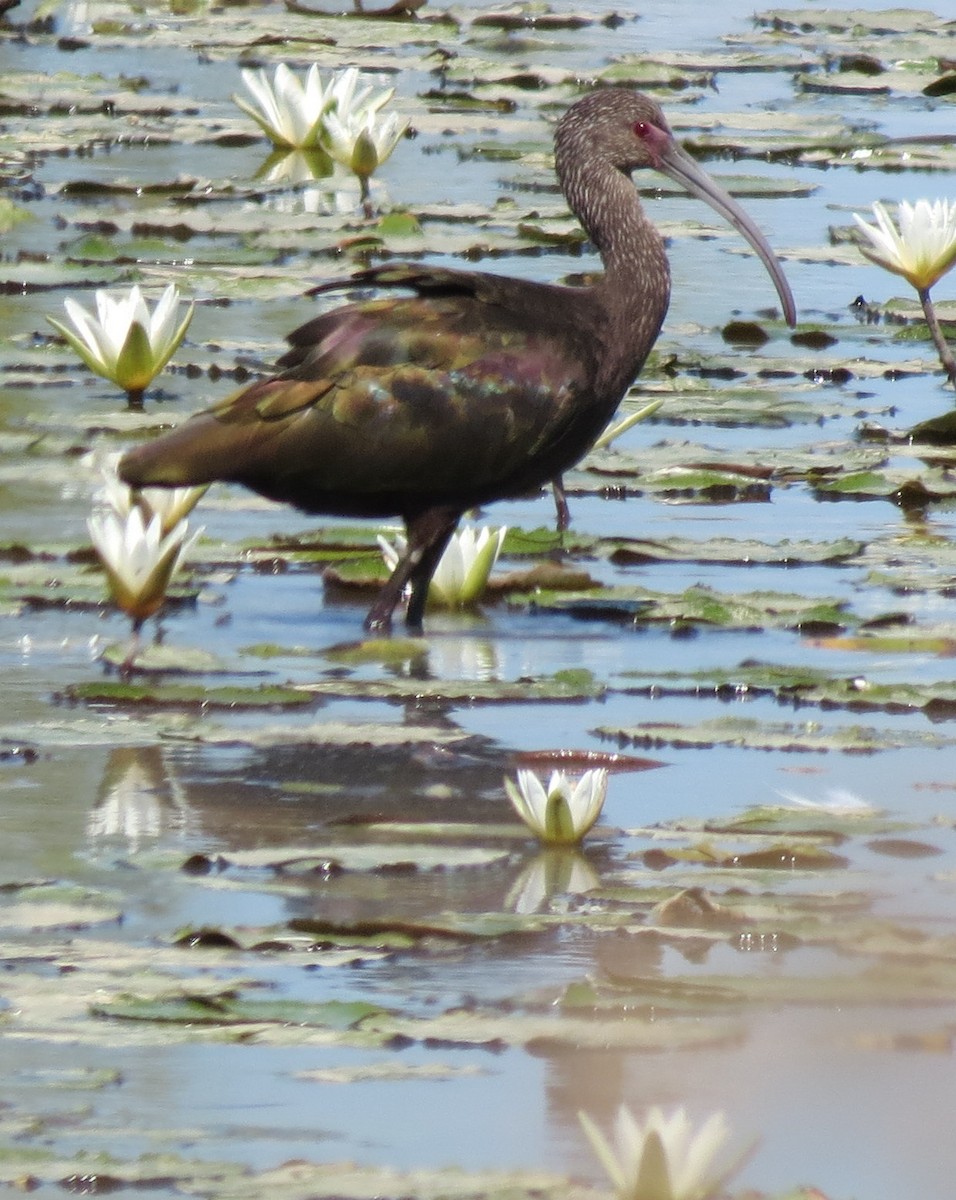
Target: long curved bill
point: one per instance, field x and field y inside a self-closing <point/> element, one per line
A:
<point x="678" y="165"/>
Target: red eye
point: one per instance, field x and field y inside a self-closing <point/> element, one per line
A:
<point x="642" y="129"/>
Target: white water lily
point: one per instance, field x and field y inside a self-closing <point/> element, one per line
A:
<point x="292" y="112"/>
<point x="921" y="247"/>
<point x="288" y="110"/>
<point x="363" y="140"/>
<point x="562" y="813"/>
<point x="171" y="505"/>
<point x="663" y="1158"/>
<point x="125" y="341"/>
<point x="463" y="570"/>
<point x="139" y="559"/>
<point x="922" y="250"/>
<point x="347" y="99"/>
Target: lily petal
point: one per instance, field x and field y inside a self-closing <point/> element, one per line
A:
<point x="562" y="814"/>
<point x="125" y="342"/>
<point x="920" y="245"/>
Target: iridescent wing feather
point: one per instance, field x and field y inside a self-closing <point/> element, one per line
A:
<point x="390" y="404"/>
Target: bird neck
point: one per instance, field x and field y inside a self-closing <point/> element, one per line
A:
<point x="635" y="290"/>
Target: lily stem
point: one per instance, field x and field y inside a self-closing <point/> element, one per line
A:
<point x="368" y="208"/>
<point x="135" y="642"/>
<point x="134" y="399"/>
<point x="942" y="348"/>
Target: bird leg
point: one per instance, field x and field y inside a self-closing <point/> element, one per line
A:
<point x="427" y="536"/>
<point x="561" y="510"/>
<point x="432" y="530"/>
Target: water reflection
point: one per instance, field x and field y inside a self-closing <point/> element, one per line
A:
<point x="315" y="185"/>
<point x="76" y="19"/>
<point x="296" y="166"/>
<point x="466" y="658"/>
<point x="139" y="800"/>
<point x="553" y="873"/>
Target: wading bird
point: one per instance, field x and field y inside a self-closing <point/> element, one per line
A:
<point x="474" y="387"/>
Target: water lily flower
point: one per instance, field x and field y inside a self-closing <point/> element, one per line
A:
<point x="566" y="811"/>
<point x="292" y="112"/>
<point x="462" y="573"/>
<point x="289" y="111"/>
<point x="363" y="140"/>
<point x="126" y="342"/>
<point x="139" y="559"/>
<point x="345" y="99"/>
<point x="171" y="505"/>
<point x="663" y="1158"/>
<point x="922" y="250"/>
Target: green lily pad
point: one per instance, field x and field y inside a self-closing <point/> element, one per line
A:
<point x="390" y="856"/>
<point x="43" y="907"/>
<point x="559" y="688"/>
<point x="228" y="1008"/>
<point x="941" y="644"/>
<point x="700" y="605"/>
<point x="729" y="550"/>
<point x="185" y="695"/>
<point x="164" y="658"/>
<point x="456" y="927"/>
<point x="751" y="734"/>
<point x="805" y="685"/>
<point x="332" y="948"/>
<point x="328" y="733"/>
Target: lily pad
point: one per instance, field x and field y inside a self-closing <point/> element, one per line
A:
<point x="559" y="688"/>
<point x="227" y="1008"/>
<point x="804" y="685"/>
<point x="347" y="857"/>
<point x="721" y="550"/>
<point x="175" y="695"/>
<point x="700" y="605"/>
<point x="51" y="907"/>
<point x="751" y="734"/>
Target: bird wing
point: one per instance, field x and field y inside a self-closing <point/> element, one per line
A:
<point x="465" y="389"/>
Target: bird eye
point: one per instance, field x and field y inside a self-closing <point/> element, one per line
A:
<point x="642" y="129"/>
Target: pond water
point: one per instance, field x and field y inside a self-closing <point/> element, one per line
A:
<point x="237" y="932"/>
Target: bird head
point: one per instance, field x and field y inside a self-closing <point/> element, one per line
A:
<point x="625" y="130"/>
